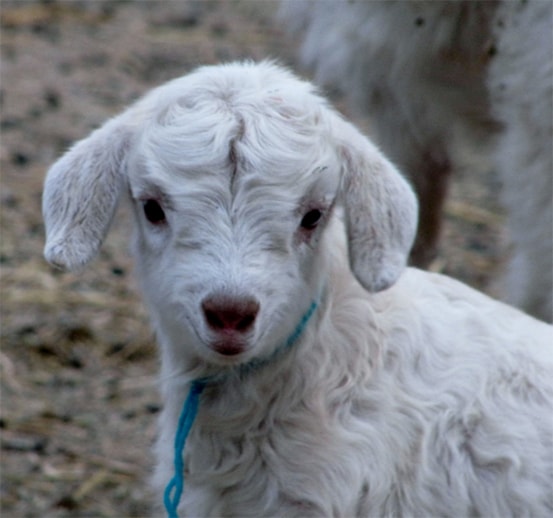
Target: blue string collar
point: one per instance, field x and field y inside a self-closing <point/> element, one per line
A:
<point x="175" y="487"/>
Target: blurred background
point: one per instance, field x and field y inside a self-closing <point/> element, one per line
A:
<point x="78" y="361"/>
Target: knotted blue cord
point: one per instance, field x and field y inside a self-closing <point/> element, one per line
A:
<point x="175" y="487"/>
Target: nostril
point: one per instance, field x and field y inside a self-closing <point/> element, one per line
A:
<point x="245" y="323"/>
<point x="213" y="319"/>
<point x="224" y="313"/>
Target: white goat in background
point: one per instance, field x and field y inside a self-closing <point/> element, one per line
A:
<point x="271" y="240"/>
<point x="425" y="71"/>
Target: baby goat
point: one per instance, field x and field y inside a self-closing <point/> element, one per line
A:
<point x="271" y="240"/>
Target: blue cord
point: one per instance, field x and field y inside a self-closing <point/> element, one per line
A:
<point x="173" y="491"/>
<point x="175" y="487"/>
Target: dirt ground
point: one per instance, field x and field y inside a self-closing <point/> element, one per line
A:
<point x="78" y="360"/>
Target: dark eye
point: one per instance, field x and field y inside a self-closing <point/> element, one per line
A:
<point x="311" y="219"/>
<point x="153" y="212"/>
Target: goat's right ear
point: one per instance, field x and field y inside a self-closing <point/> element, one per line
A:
<point x="81" y="193"/>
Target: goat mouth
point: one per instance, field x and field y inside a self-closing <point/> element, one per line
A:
<point x="229" y="347"/>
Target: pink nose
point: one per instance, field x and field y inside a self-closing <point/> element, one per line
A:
<point x="226" y="313"/>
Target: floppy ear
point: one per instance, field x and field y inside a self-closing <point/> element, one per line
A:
<point x="380" y="208"/>
<point x="80" y="195"/>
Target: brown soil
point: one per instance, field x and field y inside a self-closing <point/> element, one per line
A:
<point x="78" y="361"/>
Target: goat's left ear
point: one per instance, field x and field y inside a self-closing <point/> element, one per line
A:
<point x="380" y="208"/>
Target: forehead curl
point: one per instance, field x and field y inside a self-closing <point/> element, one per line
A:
<point x="278" y="134"/>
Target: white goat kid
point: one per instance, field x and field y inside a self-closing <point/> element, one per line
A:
<point x="405" y="393"/>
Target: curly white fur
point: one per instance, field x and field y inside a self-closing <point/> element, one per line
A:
<point x="428" y="71"/>
<point x="407" y="394"/>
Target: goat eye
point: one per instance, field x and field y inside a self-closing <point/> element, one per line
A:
<point x="153" y="212"/>
<point x="311" y="219"/>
